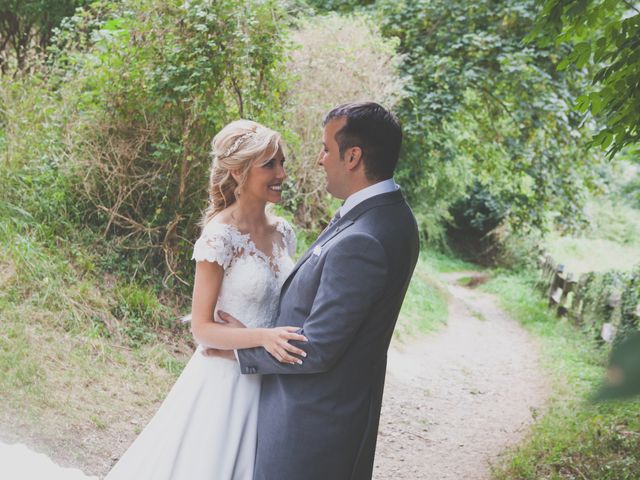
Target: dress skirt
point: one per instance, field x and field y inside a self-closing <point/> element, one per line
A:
<point x="204" y="430"/>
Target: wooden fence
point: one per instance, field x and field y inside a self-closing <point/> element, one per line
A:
<point x="602" y="310"/>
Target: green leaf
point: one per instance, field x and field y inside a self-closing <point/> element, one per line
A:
<point x="564" y="63"/>
<point x="596" y="103"/>
<point x="623" y="373"/>
<point x="583" y="54"/>
<point x="582" y="103"/>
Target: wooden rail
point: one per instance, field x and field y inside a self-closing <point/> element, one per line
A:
<point x="567" y="295"/>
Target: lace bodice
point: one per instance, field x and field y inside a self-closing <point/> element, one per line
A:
<point x="252" y="279"/>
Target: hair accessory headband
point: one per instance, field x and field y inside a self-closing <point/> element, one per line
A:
<point x="235" y="145"/>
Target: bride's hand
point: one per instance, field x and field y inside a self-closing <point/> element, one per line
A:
<point x="276" y="342"/>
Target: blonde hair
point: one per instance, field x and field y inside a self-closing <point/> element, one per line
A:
<point x="237" y="147"/>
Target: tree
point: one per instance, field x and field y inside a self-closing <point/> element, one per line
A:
<point x="27" y="27"/>
<point x="602" y="36"/>
<point x="485" y="108"/>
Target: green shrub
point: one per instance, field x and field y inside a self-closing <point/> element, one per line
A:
<point x="630" y="303"/>
<point x="600" y="296"/>
<point x="613" y="220"/>
<point x="631" y="192"/>
<point x="474" y="218"/>
<point x="157" y="81"/>
<point x="40" y="186"/>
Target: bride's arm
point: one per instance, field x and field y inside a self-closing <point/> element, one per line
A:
<point x="208" y="333"/>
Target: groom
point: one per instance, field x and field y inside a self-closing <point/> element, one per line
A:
<point x="318" y="420"/>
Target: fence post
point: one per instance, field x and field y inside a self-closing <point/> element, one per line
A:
<point x="566" y="301"/>
<point x="555" y="289"/>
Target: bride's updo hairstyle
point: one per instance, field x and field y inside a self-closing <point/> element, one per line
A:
<point x="236" y="148"/>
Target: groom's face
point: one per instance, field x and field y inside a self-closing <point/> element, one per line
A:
<point x="330" y="160"/>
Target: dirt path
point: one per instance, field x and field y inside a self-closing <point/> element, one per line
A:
<point x="456" y="399"/>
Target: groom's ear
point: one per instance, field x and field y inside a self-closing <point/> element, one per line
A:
<point x="353" y="157"/>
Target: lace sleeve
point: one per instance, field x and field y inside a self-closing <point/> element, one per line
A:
<point x="214" y="245"/>
<point x="288" y="236"/>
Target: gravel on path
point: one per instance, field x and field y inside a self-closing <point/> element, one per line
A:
<point x="455" y="400"/>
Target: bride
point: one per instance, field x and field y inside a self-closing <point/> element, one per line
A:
<point x="206" y="427"/>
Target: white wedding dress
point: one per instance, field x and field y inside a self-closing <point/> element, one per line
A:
<point x="206" y="427"/>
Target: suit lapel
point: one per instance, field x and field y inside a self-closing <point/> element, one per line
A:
<point x="342" y="224"/>
<point x="320" y="241"/>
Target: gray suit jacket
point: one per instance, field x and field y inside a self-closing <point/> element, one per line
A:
<point x="319" y="420"/>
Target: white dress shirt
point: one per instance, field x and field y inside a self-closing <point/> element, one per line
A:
<point x="385" y="186"/>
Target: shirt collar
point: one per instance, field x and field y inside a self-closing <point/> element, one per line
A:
<point x="385" y="186"/>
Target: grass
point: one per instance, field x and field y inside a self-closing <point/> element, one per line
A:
<point x="438" y="262"/>
<point x="425" y="305"/>
<point x="68" y="360"/>
<point x="574" y="439"/>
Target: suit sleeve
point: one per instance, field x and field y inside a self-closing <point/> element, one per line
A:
<point x="353" y="278"/>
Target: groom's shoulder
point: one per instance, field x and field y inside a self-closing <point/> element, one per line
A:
<point x="389" y="223"/>
<point x="397" y="213"/>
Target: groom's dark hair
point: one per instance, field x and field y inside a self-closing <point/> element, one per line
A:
<point x="375" y="130"/>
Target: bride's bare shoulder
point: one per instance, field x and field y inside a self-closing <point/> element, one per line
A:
<point x="223" y="216"/>
<point x="221" y="219"/>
